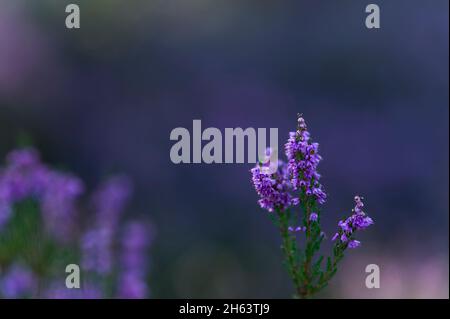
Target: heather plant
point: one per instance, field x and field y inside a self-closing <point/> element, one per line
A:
<point x="47" y="221"/>
<point x="293" y="196"/>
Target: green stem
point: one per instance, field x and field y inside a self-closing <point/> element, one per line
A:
<point x="289" y="249"/>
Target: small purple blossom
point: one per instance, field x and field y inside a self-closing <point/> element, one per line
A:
<point x="296" y="229"/>
<point x="5" y="213"/>
<point x="273" y="189"/>
<point x="354" y="243"/>
<point x="313" y="217"/>
<point x="25" y="176"/>
<point x="357" y="221"/>
<point x="97" y="244"/>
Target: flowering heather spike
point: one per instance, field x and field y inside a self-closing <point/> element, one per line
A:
<point x="357" y="221"/>
<point x="135" y="243"/>
<point x="299" y="180"/>
<point x="273" y="189"/>
<point x="96" y="251"/>
<point x="59" y="204"/>
<point x="24" y="157"/>
<point x="25" y="176"/>
<point x="110" y="200"/>
<point x="303" y="159"/>
<point x="22" y="177"/>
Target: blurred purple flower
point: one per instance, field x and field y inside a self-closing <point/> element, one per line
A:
<point x="96" y="248"/>
<point x="18" y="282"/>
<point x="25" y="176"/>
<point x="134" y="261"/>
<point x="22" y="176"/>
<point x="132" y="286"/>
<point x="110" y="200"/>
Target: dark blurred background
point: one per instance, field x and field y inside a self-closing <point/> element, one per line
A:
<point x="105" y="98"/>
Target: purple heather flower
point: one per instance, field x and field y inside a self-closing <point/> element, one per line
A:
<point x="134" y="261"/>
<point x="303" y="159"/>
<point x="24" y="157"/>
<point x="357" y="221"/>
<point x="313" y="217"/>
<point x="19" y="179"/>
<point x="25" y="176"/>
<point x="97" y="244"/>
<point x="59" y="204"/>
<point x="132" y="286"/>
<point x="18" y="282"/>
<point x="96" y="248"/>
<point x="273" y="189"/>
<point x="110" y="200"/>
<point x="344" y="226"/>
<point x="354" y="243"/>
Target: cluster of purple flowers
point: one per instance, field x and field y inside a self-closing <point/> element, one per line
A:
<point x="357" y="221"/>
<point x="300" y="177"/>
<point x="25" y="176"/>
<point x="18" y="282"/>
<point x="300" y="173"/>
<point x="303" y="159"/>
<point x="97" y="243"/>
<point x="273" y="189"/>
<point x="102" y="254"/>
